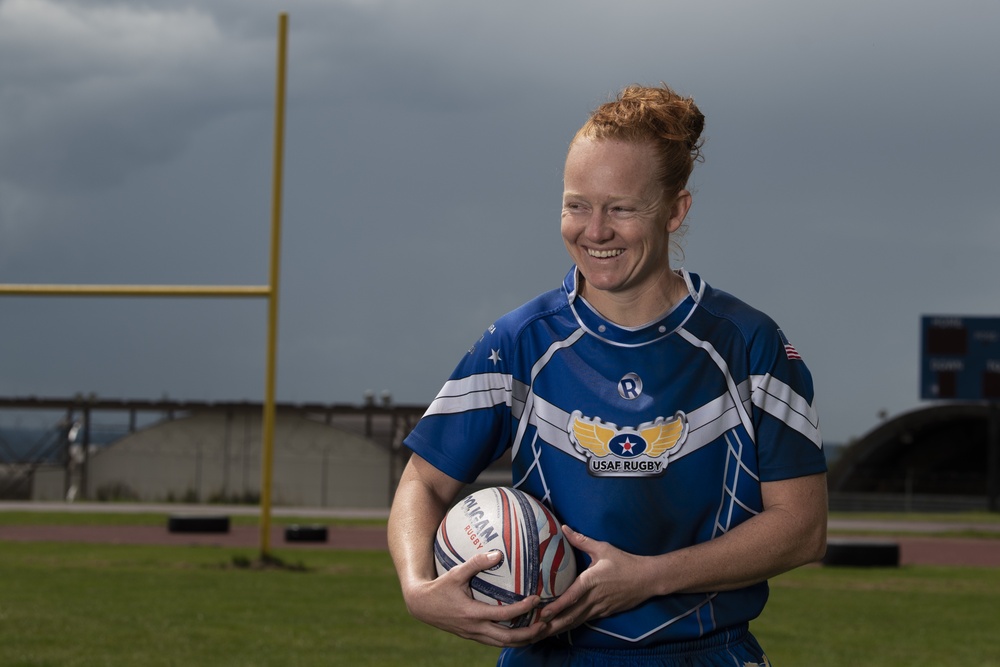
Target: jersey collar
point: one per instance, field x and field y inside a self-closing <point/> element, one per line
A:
<point x="598" y="326"/>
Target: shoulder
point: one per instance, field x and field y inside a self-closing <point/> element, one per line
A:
<point x="542" y="306"/>
<point x="519" y="331"/>
<point x="749" y="321"/>
<point x="723" y="316"/>
<point x="551" y="304"/>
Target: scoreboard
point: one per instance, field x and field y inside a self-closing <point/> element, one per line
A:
<point x="960" y="358"/>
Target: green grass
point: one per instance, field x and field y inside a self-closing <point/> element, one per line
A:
<point x="54" y="518"/>
<point x="72" y="605"/>
<point x="912" y="616"/>
<point x="83" y="605"/>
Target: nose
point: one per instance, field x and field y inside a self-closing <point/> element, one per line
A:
<point x="598" y="229"/>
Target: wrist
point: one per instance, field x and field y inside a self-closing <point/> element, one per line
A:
<point x="662" y="574"/>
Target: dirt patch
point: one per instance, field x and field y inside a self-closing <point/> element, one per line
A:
<point x="949" y="551"/>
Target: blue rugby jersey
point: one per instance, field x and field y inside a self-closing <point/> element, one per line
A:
<point x="651" y="438"/>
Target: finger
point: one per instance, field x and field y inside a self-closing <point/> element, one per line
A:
<point x="508" y="612"/>
<point x="489" y="559"/>
<point x="500" y="635"/>
<point x="470" y="568"/>
<point x="553" y="609"/>
<point x="570" y="597"/>
<point x="497" y="630"/>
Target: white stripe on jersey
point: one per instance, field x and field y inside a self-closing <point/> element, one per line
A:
<point x="528" y="408"/>
<point x="484" y="390"/>
<point x="724" y="369"/>
<point x="708" y="600"/>
<point x="706" y="424"/>
<point x="781" y="401"/>
<point x="552" y="424"/>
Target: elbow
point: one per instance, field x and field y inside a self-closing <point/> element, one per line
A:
<point x="813" y="545"/>
<point x="819" y="548"/>
<point x="807" y="544"/>
<point x="798" y="506"/>
<point x="815" y="521"/>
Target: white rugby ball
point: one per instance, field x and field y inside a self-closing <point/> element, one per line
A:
<point x="536" y="558"/>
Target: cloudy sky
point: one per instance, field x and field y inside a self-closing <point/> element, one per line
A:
<point x="849" y="185"/>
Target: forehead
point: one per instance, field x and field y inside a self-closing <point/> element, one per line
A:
<point x="609" y="166"/>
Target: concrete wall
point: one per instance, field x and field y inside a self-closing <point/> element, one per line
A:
<point x="216" y="456"/>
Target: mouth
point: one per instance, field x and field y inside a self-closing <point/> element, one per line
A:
<point x="604" y="254"/>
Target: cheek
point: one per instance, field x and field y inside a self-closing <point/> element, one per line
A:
<point x="569" y="231"/>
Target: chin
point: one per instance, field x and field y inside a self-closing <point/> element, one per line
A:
<point x="603" y="283"/>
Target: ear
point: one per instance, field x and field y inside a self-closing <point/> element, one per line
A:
<point x="679" y="210"/>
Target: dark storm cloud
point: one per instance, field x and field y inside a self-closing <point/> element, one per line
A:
<point x="847" y="188"/>
<point x="91" y="92"/>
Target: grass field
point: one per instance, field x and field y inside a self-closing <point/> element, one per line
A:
<point x="76" y="605"/>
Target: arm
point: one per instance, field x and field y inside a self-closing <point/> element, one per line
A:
<point x="422" y="499"/>
<point x="789" y="532"/>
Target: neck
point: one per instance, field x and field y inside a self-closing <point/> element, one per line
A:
<point x="637" y="308"/>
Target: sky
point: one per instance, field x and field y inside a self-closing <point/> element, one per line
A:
<point x="848" y="188"/>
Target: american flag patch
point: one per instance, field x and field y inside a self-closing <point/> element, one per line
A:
<point x="790" y="350"/>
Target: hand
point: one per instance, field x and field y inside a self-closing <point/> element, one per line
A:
<point x="612" y="583"/>
<point x="447" y="603"/>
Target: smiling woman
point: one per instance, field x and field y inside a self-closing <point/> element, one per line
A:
<point x="616" y="223"/>
<point x="625" y="197"/>
<point x="664" y="421"/>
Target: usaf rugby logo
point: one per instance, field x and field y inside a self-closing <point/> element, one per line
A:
<point x="627" y="452"/>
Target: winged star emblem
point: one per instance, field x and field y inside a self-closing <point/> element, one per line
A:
<point x="627" y="452"/>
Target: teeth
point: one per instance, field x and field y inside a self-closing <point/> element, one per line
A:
<point x="603" y="254"/>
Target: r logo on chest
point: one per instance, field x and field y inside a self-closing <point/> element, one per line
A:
<point x="630" y="387"/>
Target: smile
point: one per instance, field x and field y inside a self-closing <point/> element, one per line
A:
<point x="604" y="254"/>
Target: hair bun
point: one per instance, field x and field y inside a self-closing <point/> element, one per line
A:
<point x="672" y="122"/>
<point x="695" y="126"/>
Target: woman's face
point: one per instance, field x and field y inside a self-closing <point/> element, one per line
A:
<point x="615" y="222"/>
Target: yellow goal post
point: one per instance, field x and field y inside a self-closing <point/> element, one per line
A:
<point x="269" y="291"/>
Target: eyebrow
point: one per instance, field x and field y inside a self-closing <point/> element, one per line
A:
<point x="610" y="198"/>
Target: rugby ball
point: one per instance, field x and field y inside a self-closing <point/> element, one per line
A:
<point x="536" y="558"/>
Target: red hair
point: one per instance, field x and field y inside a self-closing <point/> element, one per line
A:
<point x="671" y="122"/>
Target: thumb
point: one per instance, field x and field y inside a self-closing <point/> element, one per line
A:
<point x="579" y="540"/>
<point x="478" y="563"/>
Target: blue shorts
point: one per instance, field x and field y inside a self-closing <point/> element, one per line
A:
<point x="729" y="648"/>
